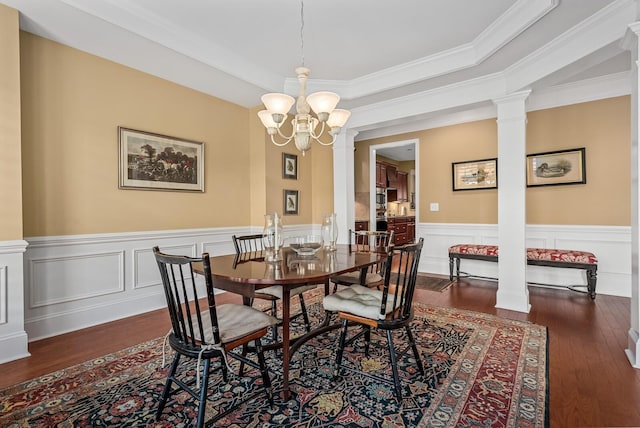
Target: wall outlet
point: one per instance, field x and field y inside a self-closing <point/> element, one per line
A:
<point x="434" y="206"/>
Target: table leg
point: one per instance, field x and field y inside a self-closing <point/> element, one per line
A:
<point x="286" y="303"/>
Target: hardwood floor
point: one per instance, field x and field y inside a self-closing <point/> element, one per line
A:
<point x="591" y="382"/>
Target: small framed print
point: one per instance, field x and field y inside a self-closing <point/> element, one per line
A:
<point x="475" y="175"/>
<point x="289" y="166"/>
<point x="555" y="168"/>
<point x="291" y="202"/>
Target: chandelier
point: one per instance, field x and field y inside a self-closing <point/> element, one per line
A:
<point x="305" y="126"/>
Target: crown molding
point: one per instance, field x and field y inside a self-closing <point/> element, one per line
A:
<point x="613" y="85"/>
<point x="508" y="26"/>
<point x="605" y="27"/>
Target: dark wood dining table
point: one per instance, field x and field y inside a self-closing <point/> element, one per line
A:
<point x="246" y="274"/>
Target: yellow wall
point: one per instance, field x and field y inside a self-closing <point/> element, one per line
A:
<point x="72" y="105"/>
<point x="10" y="162"/>
<point x="602" y="127"/>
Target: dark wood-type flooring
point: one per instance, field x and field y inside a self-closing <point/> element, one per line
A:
<point x="591" y="382"/>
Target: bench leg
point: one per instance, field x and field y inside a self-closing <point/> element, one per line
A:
<point x="457" y="259"/>
<point x="592" y="277"/>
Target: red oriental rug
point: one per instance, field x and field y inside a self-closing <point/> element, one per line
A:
<point x="481" y="371"/>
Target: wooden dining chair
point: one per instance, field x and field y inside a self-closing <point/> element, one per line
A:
<point x="366" y="241"/>
<point x="386" y="310"/>
<point x="202" y="330"/>
<point x="253" y="244"/>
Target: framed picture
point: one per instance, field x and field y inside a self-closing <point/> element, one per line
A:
<point x="555" y="168"/>
<point x="289" y="166"/>
<point x="475" y="175"/>
<point x="291" y="202"/>
<point x="150" y="161"/>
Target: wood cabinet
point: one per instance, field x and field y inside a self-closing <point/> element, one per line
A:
<point x="381" y="175"/>
<point x="404" y="229"/>
<point x="411" y="229"/>
<point x="402" y="186"/>
<point x="392" y="176"/>
<point x="399" y="227"/>
<point x="362" y="225"/>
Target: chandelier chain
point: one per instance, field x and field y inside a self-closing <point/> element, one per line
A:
<point x="302" y="31"/>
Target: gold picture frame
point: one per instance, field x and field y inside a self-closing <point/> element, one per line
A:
<point x="148" y="161"/>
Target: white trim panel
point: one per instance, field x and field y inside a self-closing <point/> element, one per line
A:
<point x="65" y="279"/>
<point x="78" y="281"/>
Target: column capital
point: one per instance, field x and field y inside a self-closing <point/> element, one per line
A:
<point x="630" y="39"/>
<point x="514" y="97"/>
<point x="345" y="139"/>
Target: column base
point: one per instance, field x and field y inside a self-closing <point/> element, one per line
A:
<point x="513" y="302"/>
<point x="633" y="351"/>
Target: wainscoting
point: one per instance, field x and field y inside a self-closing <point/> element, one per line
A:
<point x="612" y="246"/>
<point x="71" y="282"/>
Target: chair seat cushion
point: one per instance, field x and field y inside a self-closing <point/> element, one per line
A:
<point x="276" y="290"/>
<point x="235" y="321"/>
<point x="358" y="300"/>
<point x="354" y="278"/>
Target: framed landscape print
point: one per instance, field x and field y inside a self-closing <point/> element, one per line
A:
<point x="289" y="166"/>
<point x="149" y="161"/>
<point x="474" y="175"/>
<point x="555" y="168"/>
<point x="291" y="202"/>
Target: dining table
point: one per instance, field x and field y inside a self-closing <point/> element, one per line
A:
<point x="246" y="273"/>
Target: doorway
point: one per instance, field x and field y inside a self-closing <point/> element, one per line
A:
<point x="402" y="152"/>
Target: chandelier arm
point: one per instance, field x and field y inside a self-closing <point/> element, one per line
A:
<point x="273" y="140"/>
<point x="333" y="140"/>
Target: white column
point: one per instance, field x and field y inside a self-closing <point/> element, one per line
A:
<point x="343" y="183"/>
<point x="13" y="338"/>
<point x="633" y="350"/>
<point x="512" y="261"/>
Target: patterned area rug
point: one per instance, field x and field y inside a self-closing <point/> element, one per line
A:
<point x="482" y="371"/>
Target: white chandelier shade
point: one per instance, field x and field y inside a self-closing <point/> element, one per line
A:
<point x="304" y="125"/>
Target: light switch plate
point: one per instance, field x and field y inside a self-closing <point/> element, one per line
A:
<point x="434" y="206"/>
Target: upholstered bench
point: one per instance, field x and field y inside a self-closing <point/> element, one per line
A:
<point x="535" y="256"/>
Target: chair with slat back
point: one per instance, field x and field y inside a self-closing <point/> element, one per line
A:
<point x="202" y="330"/>
<point x="252" y="245"/>
<point x="366" y="241"/>
<point x="388" y="309"/>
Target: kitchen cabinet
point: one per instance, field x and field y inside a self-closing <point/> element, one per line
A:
<point x="362" y="225"/>
<point x="403" y="195"/>
<point x="404" y="229"/>
<point x="399" y="227"/>
<point x="381" y="175"/>
<point x="392" y="176"/>
<point x="411" y="229"/>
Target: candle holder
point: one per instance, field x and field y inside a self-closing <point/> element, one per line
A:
<point x="272" y="238"/>
<point x="330" y="231"/>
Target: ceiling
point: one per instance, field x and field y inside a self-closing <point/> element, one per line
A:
<point x="376" y="54"/>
